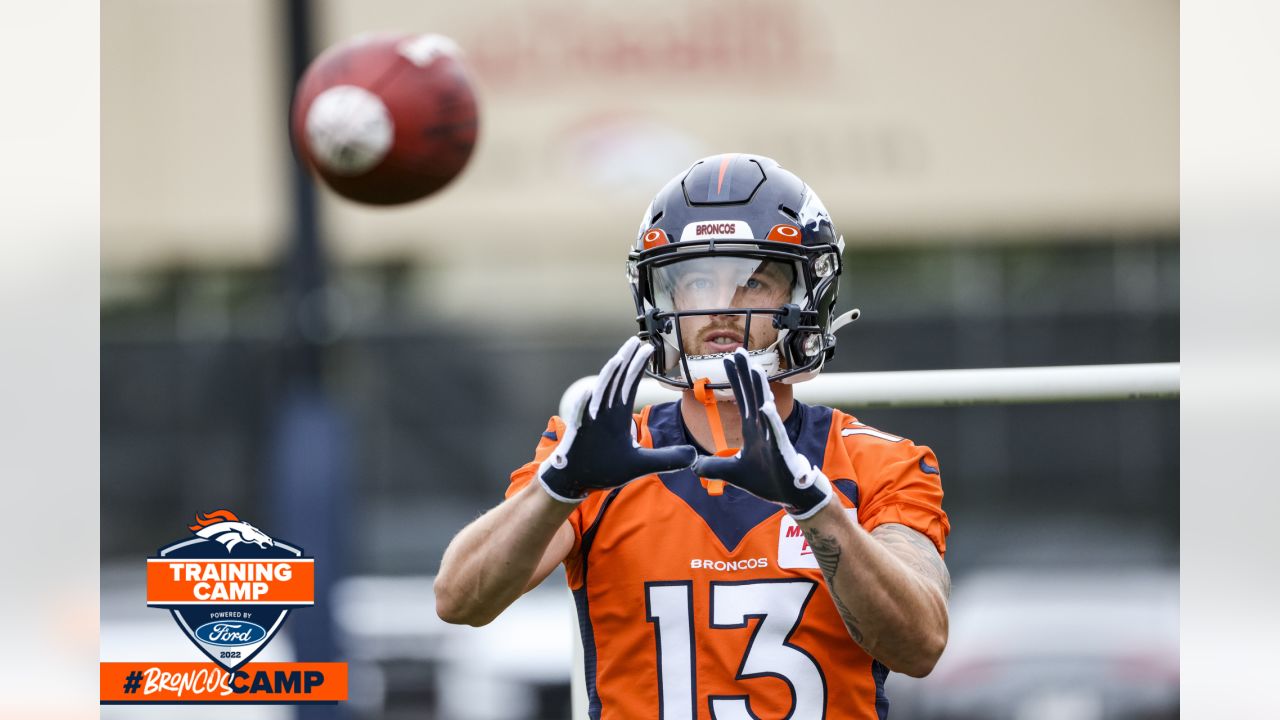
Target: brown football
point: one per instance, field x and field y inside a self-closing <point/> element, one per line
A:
<point x="386" y="119"/>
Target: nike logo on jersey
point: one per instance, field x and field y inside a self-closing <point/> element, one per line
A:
<point x="927" y="468"/>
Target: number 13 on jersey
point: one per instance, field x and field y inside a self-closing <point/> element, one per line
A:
<point x="776" y="607"/>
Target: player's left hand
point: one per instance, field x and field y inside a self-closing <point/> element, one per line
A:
<point x="768" y="465"/>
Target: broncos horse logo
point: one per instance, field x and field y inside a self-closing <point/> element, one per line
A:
<point x="223" y="526"/>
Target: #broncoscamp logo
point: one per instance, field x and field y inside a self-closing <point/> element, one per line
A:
<point x="229" y="586"/>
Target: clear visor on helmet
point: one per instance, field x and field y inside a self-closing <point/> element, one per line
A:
<point x="722" y="302"/>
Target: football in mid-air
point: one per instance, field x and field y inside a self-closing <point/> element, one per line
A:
<point x="386" y="119"/>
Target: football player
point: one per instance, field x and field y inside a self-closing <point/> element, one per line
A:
<point x="734" y="554"/>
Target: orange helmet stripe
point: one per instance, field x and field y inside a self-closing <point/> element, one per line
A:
<point x="724" y="165"/>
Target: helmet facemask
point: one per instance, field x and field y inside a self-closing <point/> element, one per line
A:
<point x="700" y="302"/>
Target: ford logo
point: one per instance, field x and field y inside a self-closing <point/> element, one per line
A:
<point x="226" y="632"/>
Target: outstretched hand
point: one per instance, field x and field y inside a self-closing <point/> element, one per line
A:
<point x="768" y="465"/>
<point x="599" y="448"/>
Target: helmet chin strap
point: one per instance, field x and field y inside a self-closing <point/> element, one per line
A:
<point x="710" y="368"/>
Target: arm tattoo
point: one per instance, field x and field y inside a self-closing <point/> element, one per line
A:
<point x="917" y="551"/>
<point x="826" y="549"/>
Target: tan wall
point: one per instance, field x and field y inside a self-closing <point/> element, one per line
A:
<point x="194" y="148"/>
<point x="915" y="121"/>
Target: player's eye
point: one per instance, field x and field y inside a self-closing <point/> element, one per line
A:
<point x="698" y="283"/>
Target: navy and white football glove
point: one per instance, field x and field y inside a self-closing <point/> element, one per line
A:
<point x="768" y="465"/>
<point x="599" y="448"/>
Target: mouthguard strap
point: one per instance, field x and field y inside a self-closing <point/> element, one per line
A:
<point x="712" y="407"/>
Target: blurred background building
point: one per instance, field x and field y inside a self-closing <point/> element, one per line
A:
<point x="1005" y="175"/>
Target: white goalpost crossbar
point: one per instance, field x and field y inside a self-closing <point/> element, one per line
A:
<point x="934" y="388"/>
<point x="945" y="388"/>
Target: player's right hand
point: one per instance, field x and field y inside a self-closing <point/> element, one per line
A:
<point x="768" y="465"/>
<point x="599" y="448"/>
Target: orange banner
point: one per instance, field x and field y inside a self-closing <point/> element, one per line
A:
<point x="194" y="682"/>
<point x="277" y="581"/>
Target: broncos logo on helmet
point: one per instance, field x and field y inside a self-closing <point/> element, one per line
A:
<point x="223" y="526"/>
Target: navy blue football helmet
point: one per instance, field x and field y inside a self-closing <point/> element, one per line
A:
<point x="736" y="251"/>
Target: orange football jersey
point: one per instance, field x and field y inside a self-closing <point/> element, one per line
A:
<point x="713" y="607"/>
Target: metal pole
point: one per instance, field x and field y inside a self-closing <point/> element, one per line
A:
<point x="310" y="459"/>
<point x="942" y="388"/>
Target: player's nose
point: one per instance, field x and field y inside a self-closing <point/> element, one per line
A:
<point x="724" y="295"/>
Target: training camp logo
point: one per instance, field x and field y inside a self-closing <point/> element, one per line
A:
<point x="229" y="586"/>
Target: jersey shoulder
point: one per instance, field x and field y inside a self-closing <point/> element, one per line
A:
<point x="898" y="480"/>
<point x="863" y="440"/>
